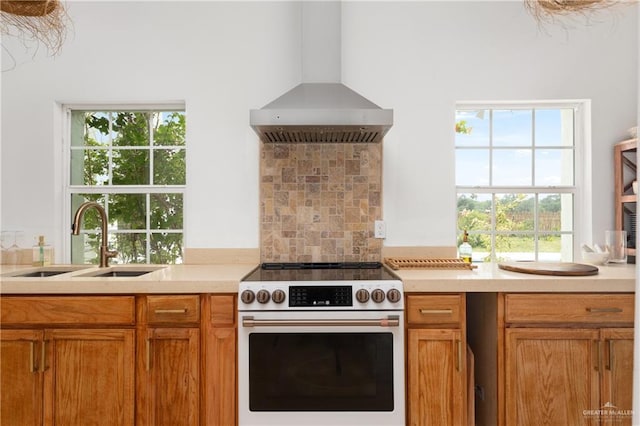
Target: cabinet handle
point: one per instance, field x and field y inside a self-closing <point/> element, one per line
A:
<point x="610" y="354"/>
<point x="598" y="360"/>
<point x="33" y="368"/>
<point x="43" y="356"/>
<point x="459" y="360"/>
<point x="148" y="354"/>
<point x="170" y="311"/>
<point x="436" y="311"/>
<point x="603" y="310"/>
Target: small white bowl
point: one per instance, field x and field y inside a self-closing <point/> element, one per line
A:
<point x="634" y="186"/>
<point x="595" y="258"/>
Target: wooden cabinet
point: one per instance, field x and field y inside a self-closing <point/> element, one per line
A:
<point x="168" y="379"/>
<point x="21" y="378"/>
<point x="118" y="360"/>
<point x="436" y="360"/>
<point x="220" y="362"/>
<point x="566" y="356"/>
<point x="617" y="377"/>
<point x="80" y="374"/>
<point x="89" y="377"/>
<point x="625" y="164"/>
<point x="551" y="376"/>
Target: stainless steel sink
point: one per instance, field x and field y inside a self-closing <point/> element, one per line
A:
<point x="45" y="271"/>
<point x="115" y="271"/>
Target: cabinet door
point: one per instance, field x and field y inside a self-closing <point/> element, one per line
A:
<point x="89" y="377"/>
<point x="220" y="390"/>
<point x="169" y="383"/>
<point x="617" y="374"/>
<point x="436" y="377"/>
<point x="551" y="376"/>
<point x="21" y="391"/>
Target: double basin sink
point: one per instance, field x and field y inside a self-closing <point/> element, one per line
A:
<point x="112" y="271"/>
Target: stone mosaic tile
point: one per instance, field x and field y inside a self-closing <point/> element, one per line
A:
<point x="318" y="202"/>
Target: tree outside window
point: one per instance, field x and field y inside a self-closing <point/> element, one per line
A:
<point x="133" y="163"/>
<point x="515" y="180"/>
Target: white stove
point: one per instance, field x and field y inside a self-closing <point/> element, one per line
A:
<point x="321" y="344"/>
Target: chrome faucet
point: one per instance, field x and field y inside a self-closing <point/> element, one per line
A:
<point x="105" y="253"/>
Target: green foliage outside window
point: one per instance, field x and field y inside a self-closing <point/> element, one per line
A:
<point x="120" y="150"/>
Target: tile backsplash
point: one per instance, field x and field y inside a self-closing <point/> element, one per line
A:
<point x="318" y="202"/>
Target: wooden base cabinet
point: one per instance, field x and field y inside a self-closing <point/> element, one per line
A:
<point x="82" y="374"/>
<point x="220" y="366"/>
<point x="89" y="377"/>
<point x="21" y="377"/>
<point x="551" y="376"/>
<point x="617" y="373"/>
<point x="118" y="360"/>
<point x="168" y="379"/>
<point x="568" y="359"/>
<point x="436" y="360"/>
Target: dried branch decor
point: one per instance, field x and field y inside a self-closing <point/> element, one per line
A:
<point x="42" y="20"/>
<point x="550" y="10"/>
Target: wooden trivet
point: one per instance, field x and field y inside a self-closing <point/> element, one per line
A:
<point x="434" y="263"/>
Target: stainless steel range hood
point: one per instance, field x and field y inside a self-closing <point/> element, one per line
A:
<point x="321" y="109"/>
<point x="321" y="112"/>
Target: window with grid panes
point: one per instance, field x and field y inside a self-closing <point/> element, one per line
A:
<point x="132" y="162"/>
<point x="516" y="180"/>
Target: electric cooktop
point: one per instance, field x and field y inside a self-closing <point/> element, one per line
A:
<point x="326" y="271"/>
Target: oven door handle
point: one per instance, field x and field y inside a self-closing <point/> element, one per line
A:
<point x="390" y="321"/>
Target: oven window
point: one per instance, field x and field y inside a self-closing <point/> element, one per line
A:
<point x="321" y="372"/>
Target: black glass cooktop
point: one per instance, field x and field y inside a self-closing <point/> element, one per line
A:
<point x="331" y="271"/>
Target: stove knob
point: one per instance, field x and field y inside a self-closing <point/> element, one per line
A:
<point x="247" y="296"/>
<point x="377" y="295"/>
<point x="394" y="295"/>
<point x="278" y="296"/>
<point x="263" y="296"/>
<point x="362" y="295"/>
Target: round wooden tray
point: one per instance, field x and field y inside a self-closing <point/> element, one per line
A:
<point x="550" y="268"/>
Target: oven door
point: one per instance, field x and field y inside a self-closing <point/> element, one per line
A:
<point x="321" y="368"/>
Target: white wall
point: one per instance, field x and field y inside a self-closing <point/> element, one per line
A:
<point x="421" y="57"/>
<point x="223" y="59"/>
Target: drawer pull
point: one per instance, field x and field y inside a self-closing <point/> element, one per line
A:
<point x="436" y="311"/>
<point x="604" y="310"/>
<point x="170" y="311"/>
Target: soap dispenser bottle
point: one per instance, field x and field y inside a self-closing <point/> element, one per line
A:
<point x="41" y="253"/>
<point x="465" y="250"/>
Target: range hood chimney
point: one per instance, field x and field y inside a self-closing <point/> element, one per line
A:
<point x="321" y="109"/>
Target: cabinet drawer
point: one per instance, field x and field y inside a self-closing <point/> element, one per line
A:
<point x="56" y="310"/>
<point x="569" y="308"/>
<point x="435" y="309"/>
<point x="173" y="309"/>
<point x="223" y="310"/>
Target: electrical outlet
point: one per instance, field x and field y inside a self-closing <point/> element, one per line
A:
<point x="380" y="229"/>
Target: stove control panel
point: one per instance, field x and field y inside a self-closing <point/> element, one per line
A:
<point x="378" y="295"/>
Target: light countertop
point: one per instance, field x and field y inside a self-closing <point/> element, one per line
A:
<point x="224" y="278"/>
<point x="183" y="279"/>
<point x="489" y="278"/>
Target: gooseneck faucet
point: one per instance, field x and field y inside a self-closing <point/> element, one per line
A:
<point x="105" y="253"/>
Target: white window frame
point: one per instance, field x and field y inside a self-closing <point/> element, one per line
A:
<point x="65" y="161"/>
<point x="582" y="187"/>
